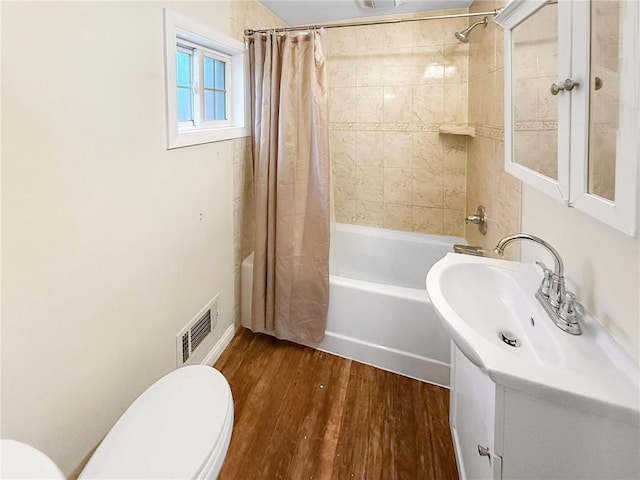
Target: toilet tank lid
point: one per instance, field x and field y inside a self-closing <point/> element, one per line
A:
<point x="170" y="431"/>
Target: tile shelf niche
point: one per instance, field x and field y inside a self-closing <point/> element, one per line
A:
<point x="457" y="130"/>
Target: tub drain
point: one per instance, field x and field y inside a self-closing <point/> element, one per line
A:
<point x="509" y="338"/>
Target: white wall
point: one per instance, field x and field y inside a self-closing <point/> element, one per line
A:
<point x="110" y="243"/>
<point x="601" y="264"/>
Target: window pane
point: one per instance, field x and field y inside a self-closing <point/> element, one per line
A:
<point x="208" y="72"/>
<point x="220" y="75"/>
<point x="183" y="66"/>
<point x="208" y="105"/>
<point x="184" y="105"/>
<point x="221" y="106"/>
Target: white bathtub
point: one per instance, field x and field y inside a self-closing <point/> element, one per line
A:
<point x="379" y="309"/>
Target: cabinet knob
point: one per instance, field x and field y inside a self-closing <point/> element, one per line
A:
<point x="567" y="85"/>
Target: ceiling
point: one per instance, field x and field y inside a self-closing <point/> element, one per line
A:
<point x="308" y="12"/>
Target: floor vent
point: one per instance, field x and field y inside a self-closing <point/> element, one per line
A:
<point x="195" y="333"/>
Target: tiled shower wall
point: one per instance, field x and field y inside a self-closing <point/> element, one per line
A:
<point x="487" y="182"/>
<point x="391" y="87"/>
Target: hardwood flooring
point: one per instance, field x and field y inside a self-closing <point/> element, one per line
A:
<point x="305" y="414"/>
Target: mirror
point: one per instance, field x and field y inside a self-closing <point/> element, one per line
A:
<point x="604" y="98"/>
<point x="572" y="103"/>
<point x="535" y="110"/>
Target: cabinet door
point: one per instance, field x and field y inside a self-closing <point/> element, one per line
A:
<point x="572" y="103"/>
<point x="605" y="111"/>
<point x="473" y="419"/>
<point x="537" y="105"/>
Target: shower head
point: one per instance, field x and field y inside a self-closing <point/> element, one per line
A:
<point x="463" y="36"/>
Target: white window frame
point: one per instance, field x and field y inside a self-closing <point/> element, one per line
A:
<point x="180" y="29"/>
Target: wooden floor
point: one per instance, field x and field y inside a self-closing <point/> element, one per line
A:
<point x="301" y="414"/>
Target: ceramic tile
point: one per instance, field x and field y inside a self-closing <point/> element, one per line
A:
<point x="368" y="40"/>
<point x="398" y="104"/>
<point x="396" y="36"/>
<point x="427" y="220"/>
<point x="340" y="41"/>
<point x="369" y="187"/>
<point x="526" y="91"/>
<point x="342" y="71"/>
<point x="398" y="67"/>
<point x="456" y="63"/>
<point x="455" y="153"/>
<point x="344" y="182"/>
<point x="369" y="148"/>
<point x="398" y="217"/>
<point x="428" y="151"/>
<point x="455" y="104"/>
<point x="429" y="32"/>
<point x="369" y="104"/>
<point x="369" y="70"/>
<point x="453" y="25"/>
<point x="370" y="214"/>
<point x="547" y="103"/>
<point x="428" y="188"/>
<point x="397" y="185"/>
<point x="454" y="190"/>
<point x="345" y="211"/>
<point x="398" y="149"/>
<point x="428" y="103"/>
<point x="428" y="64"/>
<point x="343" y="147"/>
<point x="453" y="222"/>
<point x="342" y="104"/>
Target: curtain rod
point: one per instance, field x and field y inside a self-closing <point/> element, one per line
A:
<point x="250" y="32"/>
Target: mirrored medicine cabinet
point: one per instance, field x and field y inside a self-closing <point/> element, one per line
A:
<point x="572" y="103"/>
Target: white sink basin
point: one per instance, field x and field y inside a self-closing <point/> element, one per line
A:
<point x="477" y="298"/>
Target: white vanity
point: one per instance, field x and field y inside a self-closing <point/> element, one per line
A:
<point x="536" y="402"/>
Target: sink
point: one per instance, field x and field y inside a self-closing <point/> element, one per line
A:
<point x="478" y="298"/>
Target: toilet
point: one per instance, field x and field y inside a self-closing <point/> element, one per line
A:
<point x="19" y="460"/>
<point x="180" y="427"/>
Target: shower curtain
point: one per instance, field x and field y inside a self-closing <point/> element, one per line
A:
<point x="291" y="176"/>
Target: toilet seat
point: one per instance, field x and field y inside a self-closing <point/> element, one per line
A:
<point x="180" y="427"/>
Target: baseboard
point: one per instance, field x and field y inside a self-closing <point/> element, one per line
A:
<point x="220" y="346"/>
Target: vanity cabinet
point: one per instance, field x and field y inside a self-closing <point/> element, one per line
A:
<point x="572" y="103"/>
<point x="499" y="432"/>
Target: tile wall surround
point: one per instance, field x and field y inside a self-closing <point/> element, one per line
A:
<point x="244" y="14"/>
<point x="487" y="182"/>
<point x="391" y="87"/>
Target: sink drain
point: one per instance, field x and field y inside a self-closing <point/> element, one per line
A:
<point x="509" y="338"/>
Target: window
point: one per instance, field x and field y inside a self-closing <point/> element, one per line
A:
<point x="205" y="84"/>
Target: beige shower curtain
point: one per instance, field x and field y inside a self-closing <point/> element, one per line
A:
<point x="291" y="177"/>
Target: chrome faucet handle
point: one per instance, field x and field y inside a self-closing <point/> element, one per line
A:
<point x="545" y="285"/>
<point x="567" y="310"/>
<point x="570" y="312"/>
<point x="557" y="291"/>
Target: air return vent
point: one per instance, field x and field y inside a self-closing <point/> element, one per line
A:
<point x="192" y="340"/>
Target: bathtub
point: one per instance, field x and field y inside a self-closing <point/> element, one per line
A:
<point x="379" y="310"/>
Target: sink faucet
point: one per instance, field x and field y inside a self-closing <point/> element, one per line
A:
<point x="559" y="304"/>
